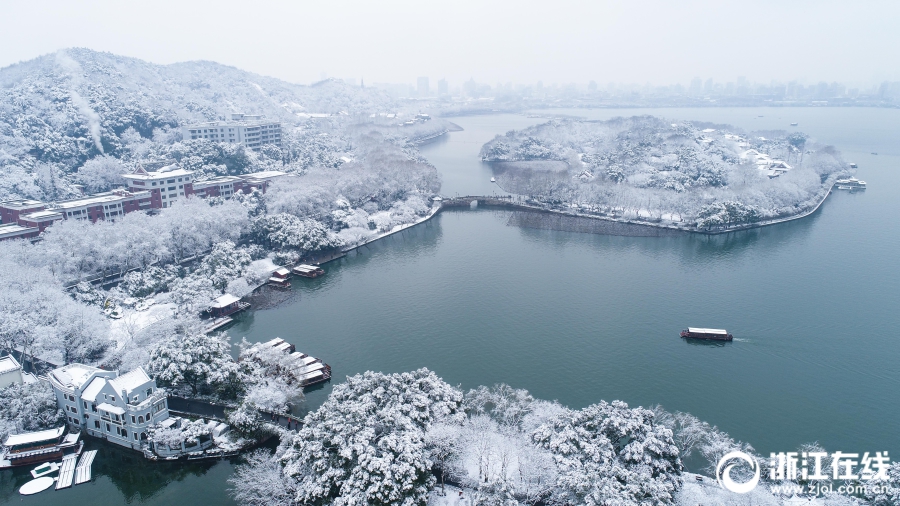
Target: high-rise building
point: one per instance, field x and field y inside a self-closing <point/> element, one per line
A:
<point x="422" y="87"/>
<point x="443" y="88"/>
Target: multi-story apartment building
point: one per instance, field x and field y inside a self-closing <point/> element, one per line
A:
<point x="165" y="185"/>
<point x="252" y="131"/>
<point x="118" y="408"/>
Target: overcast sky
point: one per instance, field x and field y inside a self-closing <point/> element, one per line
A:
<point x="853" y="42"/>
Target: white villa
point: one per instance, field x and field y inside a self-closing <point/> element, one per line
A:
<point x="118" y="408"/>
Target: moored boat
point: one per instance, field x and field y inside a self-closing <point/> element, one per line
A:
<point x="30" y="448"/>
<point x="280" y="278"/>
<point x="308" y="271"/>
<point x="710" y="334"/>
<point x="45" y="469"/>
<point x="850" y="184"/>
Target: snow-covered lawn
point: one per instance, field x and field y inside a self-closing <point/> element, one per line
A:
<point x="124" y="329"/>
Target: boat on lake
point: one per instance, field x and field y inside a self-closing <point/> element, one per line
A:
<point x="280" y="279"/>
<point x="308" y="271"/>
<point x="793" y="124"/>
<point x="45" y="469"/>
<point x="853" y="165"/>
<point x="493" y="180"/>
<point x="709" y="334"/>
<point x="30" y="448"/>
<point x="850" y="184"/>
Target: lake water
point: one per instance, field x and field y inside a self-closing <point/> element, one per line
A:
<point x="580" y="318"/>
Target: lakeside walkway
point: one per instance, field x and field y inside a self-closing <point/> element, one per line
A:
<point x="510" y="202"/>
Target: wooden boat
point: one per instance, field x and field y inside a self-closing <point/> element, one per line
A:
<point x="280" y="278"/>
<point x="308" y="271"/>
<point x="30" y="448"/>
<point x="708" y="334"/>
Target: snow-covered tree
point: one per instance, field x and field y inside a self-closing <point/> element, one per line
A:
<point x="610" y="454"/>
<point x="224" y="264"/>
<point x="198" y="360"/>
<point x="28" y="407"/>
<point x="101" y="174"/>
<point x="366" y="444"/>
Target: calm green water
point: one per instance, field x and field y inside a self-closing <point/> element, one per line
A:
<point x="580" y="318"/>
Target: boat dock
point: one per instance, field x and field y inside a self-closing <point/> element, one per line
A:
<point x="66" y="472"/>
<point x="305" y="369"/>
<point x="83" y="470"/>
<point x="218" y="323"/>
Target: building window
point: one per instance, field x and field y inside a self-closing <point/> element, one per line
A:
<point x="140" y="419"/>
<point x="96" y="424"/>
<point x="132" y="418"/>
<point x="135" y="436"/>
<point x="124" y="433"/>
<point x="112" y="398"/>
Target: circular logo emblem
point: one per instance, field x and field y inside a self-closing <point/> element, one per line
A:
<point x="723" y="476"/>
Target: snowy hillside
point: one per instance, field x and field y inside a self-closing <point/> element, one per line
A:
<point x="60" y="110"/>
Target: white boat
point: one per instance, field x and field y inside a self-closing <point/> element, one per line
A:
<point x="493" y="180"/>
<point x="850" y="184"/>
<point x="793" y="124"/>
<point x="45" y="469"/>
<point x="853" y="165"/>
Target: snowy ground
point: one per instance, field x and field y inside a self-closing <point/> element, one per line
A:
<point x="693" y="493"/>
<point x="133" y="321"/>
<point x="709" y="493"/>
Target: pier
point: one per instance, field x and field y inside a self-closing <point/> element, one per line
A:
<point x="83" y="471"/>
<point x="66" y="472"/>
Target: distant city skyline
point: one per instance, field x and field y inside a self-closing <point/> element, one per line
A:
<point x="660" y="43"/>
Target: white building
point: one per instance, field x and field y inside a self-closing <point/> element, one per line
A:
<point x="165" y="185"/>
<point x="252" y="131"/>
<point x="10" y="372"/>
<point x="118" y="408"/>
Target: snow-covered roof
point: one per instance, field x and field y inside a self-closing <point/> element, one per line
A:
<point x="130" y="381"/>
<point x="20" y="204"/>
<point x="33" y="437"/>
<point x="73" y="375"/>
<point x="93" y="388"/>
<point x="162" y="173"/>
<point x="99" y="199"/>
<point x="266" y="174"/>
<point x="281" y="271"/>
<point x="11" y="229"/>
<point x="224" y="301"/>
<point x="707" y="331"/>
<point x="109" y="408"/>
<point x="40" y="215"/>
<point x="8" y="364"/>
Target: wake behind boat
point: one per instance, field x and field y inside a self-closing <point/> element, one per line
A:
<point x="709" y="334"/>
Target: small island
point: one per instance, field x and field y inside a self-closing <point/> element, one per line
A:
<point x="689" y="175"/>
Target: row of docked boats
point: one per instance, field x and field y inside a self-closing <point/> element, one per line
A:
<point x="306" y="370"/>
<point x="281" y="276"/>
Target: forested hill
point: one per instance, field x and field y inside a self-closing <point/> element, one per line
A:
<point x="65" y="108"/>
